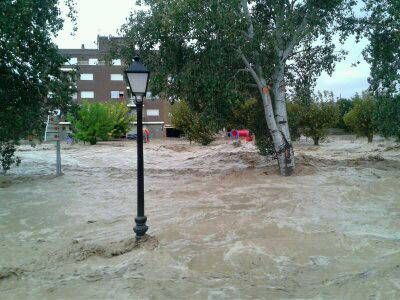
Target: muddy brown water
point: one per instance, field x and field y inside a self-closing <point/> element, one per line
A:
<point x="223" y="223"/>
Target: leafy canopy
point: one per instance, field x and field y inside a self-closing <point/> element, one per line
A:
<point x="31" y="81"/>
<point x="195" y="48"/>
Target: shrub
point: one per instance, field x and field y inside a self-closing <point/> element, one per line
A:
<point x="93" y="122"/>
<point x="387" y="116"/>
<point x="317" y="118"/>
<point x="344" y="106"/>
<point x="191" y="123"/>
<point x="7" y="158"/>
<point x="122" y="121"/>
<point x="181" y="117"/>
<point x="295" y="113"/>
<point x="361" y="117"/>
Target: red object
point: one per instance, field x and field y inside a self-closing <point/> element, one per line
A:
<point x="146" y="135"/>
<point x="248" y="138"/>
<point x="234" y="134"/>
<point x="243" y="133"/>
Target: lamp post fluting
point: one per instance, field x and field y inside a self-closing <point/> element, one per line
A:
<point x="138" y="78"/>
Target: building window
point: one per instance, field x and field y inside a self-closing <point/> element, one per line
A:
<point x="87" y="94"/>
<point x="117" y="94"/>
<point x="117" y="77"/>
<point x="74" y="96"/>
<point x="149" y="96"/>
<point x="73" y="61"/>
<point x="116" y="62"/>
<point x="152" y="112"/>
<point x="87" y="76"/>
<point x="93" y="61"/>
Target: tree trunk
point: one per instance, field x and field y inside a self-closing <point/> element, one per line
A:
<point x="281" y="116"/>
<point x="283" y="148"/>
<point x="370" y="137"/>
<point x="316" y="141"/>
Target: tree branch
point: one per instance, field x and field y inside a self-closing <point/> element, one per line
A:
<point x="250" y="29"/>
<point x="250" y="35"/>
<point x="252" y="72"/>
<point x="295" y="39"/>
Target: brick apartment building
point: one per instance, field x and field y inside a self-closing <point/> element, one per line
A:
<point x="102" y="80"/>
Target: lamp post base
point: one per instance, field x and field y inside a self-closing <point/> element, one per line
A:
<point x="141" y="227"/>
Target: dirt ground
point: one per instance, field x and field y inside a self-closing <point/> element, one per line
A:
<point x="223" y="223"/>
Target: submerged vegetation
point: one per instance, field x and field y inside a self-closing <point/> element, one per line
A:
<point x="101" y="121"/>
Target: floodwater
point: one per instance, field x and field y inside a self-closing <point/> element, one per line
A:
<point x="223" y="223"/>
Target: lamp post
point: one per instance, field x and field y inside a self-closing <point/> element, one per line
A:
<point x="138" y="78"/>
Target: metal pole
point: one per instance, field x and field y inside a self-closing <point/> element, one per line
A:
<point x="140" y="219"/>
<point x="58" y="160"/>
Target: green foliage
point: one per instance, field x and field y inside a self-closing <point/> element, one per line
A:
<point x="201" y="131"/>
<point x="387" y="116"/>
<point x="381" y="27"/>
<point x="181" y="117"/>
<point x="7" y="158"/>
<point x="295" y="111"/>
<point x="361" y="117"/>
<point x="195" y="128"/>
<point x="344" y="106"/>
<point x="317" y="117"/>
<point x="250" y="115"/>
<point x="31" y="81"/>
<point x="93" y="123"/>
<point x="199" y="43"/>
<point x="122" y="120"/>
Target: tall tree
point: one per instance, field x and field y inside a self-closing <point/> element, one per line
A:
<point x="291" y="31"/>
<point x="206" y="51"/>
<point x="381" y="25"/>
<point x="31" y="79"/>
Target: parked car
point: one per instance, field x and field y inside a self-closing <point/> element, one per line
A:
<point x="131" y="136"/>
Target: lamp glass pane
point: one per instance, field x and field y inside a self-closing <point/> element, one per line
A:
<point x="138" y="82"/>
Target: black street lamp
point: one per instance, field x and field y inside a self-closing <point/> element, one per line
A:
<point x="138" y="79"/>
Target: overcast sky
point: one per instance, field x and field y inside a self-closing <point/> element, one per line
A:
<point x="105" y="17"/>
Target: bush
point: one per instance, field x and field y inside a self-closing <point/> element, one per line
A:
<point x="387" y="116"/>
<point x="93" y="122"/>
<point x="317" y="118"/>
<point x="122" y="121"/>
<point x="191" y="123"/>
<point x="361" y="117"/>
<point x="295" y="113"/>
<point x="344" y="106"/>
<point x="7" y="158"/>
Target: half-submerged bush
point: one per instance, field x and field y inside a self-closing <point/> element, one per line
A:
<point x="191" y="123"/>
<point x="361" y="117"/>
<point x="7" y="158"/>
<point x="101" y="121"/>
<point x="317" y="118"/>
<point x="122" y="120"/>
